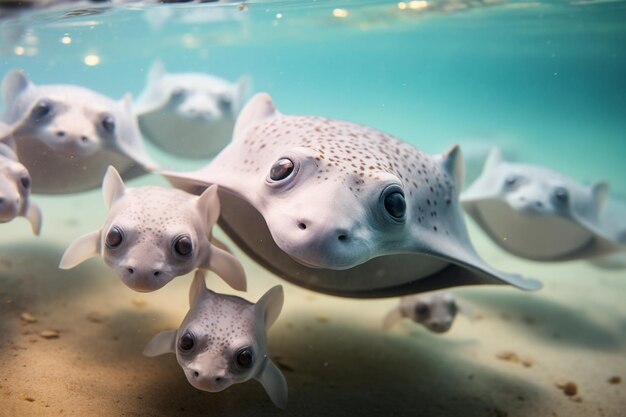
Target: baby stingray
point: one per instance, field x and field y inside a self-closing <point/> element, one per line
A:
<point x="67" y="135"/>
<point x="538" y="214"/>
<point x="223" y="341"/>
<point x="154" y="234"/>
<point x="342" y="208"/>
<point x="435" y="311"/>
<point x="15" y="188"/>
<point x="189" y="114"/>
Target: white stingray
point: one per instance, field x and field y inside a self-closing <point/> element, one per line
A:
<point x="67" y="135"/>
<point x="15" y="184"/>
<point x="223" y="341"/>
<point x="189" y="114"/>
<point x="538" y="214"/>
<point x="153" y="234"/>
<point x="342" y="208"/>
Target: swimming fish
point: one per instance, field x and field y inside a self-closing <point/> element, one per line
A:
<point x="188" y="114"/>
<point x="342" y="208"/>
<point x="436" y="311"/>
<point x="538" y="214"/>
<point x="223" y="341"/>
<point x="67" y="135"/>
<point x="153" y="234"/>
<point x="15" y="184"/>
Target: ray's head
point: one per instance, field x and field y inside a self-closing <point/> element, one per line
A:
<point x="15" y="185"/>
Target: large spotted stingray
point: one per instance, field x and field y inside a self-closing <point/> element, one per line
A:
<point x="67" y="135"/>
<point x="341" y="208"/>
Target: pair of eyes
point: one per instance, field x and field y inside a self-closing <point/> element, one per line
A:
<point x="392" y="196"/>
<point x="182" y="244"/>
<point x="223" y="102"/>
<point x="45" y="108"/>
<point x="423" y="310"/>
<point x="244" y="357"/>
<point x="559" y="193"/>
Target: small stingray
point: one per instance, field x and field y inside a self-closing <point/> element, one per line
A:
<point x="67" y="135"/>
<point x="15" y="185"/>
<point x="188" y="114"/>
<point x="435" y="311"/>
<point x="223" y="341"/>
<point x="342" y="208"/>
<point x="153" y="234"/>
<point x="536" y="213"/>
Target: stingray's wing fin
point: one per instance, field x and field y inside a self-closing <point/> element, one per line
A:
<point x="113" y="187"/>
<point x="80" y="250"/>
<point x="130" y="142"/>
<point x="14" y="83"/>
<point x="269" y="306"/>
<point x="209" y="206"/>
<point x="227" y="267"/>
<point x="33" y="215"/>
<point x="392" y="317"/>
<point x="257" y="109"/>
<point x="162" y="343"/>
<point x="274" y="383"/>
<point x="198" y="287"/>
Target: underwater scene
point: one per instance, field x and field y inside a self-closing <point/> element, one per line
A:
<point x="309" y="208"/>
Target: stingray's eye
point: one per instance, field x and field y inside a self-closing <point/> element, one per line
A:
<point x="114" y="237"/>
<point x="245" y="357"/>
<point x="561" y="194"/>
<point x="510" y="180"/>
<point x="393" y="200"/>
<point x="422" y="310"/>
<point x="177" y="93"/>
<point x="42" y="109"/>
<point x="108" y="123"/>
<point x="186" y="342"/>
<point x="281" y="169"/>
<point x="25" y="181"/>
<point x="453" y="309"/>
<point x="183" y="245"/>
<point x="224" y="103"/>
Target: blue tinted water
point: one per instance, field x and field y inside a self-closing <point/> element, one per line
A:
<point x="545" y="80"/>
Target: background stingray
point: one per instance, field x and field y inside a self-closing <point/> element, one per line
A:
<point x="342" y="208"/>
<point x="538" y="214"/>
<point x="67" y="135"/>
<point x="189" y="114"/>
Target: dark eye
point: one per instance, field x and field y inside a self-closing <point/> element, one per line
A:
<point x="177" y="93"/>
<point x="422" y="310"/>
<point x="114" y="237"/>
<point x="561" y="194"/>
<point x="183" y="245"/>
<point x="395" y="204"/>
<point x="510" y="180"/>
<point x="245" y="357"/>
<point x="25" y="180"/>
<point x="108" y="124"/>
<point x="42" y="109"/>
<point x="453" y="309"/>
<point x="186" y="342"/>
<point x="281" y="169"/>
<point x="224" y="103"/>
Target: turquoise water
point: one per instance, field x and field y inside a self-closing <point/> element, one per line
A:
<point x="544" y="80"/>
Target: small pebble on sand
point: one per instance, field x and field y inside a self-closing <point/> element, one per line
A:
<point x="615" y="380"/>
<point x="96" y="317"/>
<point x="50" y="334"/>
<point x="508" y="356"/>
<point x="139" y="302"/>
<point x="569" y="388"/>
<point x="28" y="318"/>
<point x="29" y="399"/>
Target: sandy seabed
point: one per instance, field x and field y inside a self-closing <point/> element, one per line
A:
<point x="509" y="360"/>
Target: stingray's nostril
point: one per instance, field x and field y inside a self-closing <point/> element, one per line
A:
<point x="301" y="226"/>
<point x="156" y="273"/>
<point x="60" y="133"/>
<point x="342" y="238"/>
<point x="84" y="139"/>
<point x="196" y="374"/>
<point x="130" y="270"/>
<point x="218" y="379"/>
